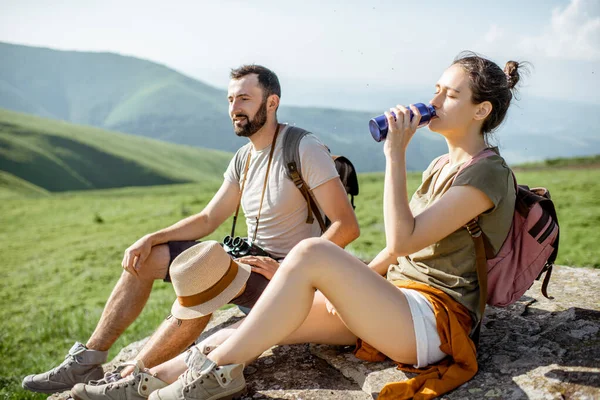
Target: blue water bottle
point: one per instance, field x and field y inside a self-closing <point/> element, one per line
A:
<point x="379" y="125"/>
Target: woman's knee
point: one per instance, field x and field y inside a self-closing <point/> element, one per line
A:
<point x="309" y="252"/>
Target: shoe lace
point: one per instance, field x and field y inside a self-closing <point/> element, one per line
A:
<point x="69" y="359"/>
<point x="122" y="383"/>
<point x="109" y="377"/>
<point x="189" y="376"/>
<point x="72" y="356"/>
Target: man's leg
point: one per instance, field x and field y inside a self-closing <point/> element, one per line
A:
<point x="128" y="298"/>
<point x="171" y="338"/>
<point x="174" y="336"/>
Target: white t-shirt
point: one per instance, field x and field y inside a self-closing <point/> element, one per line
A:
<point x="283" y="217"/>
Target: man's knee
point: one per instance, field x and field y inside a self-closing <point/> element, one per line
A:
<point x="156" y="265"/>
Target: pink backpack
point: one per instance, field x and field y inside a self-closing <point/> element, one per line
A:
<point x="529" y="250"/>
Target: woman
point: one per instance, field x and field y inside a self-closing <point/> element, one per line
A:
<point x="417" y="303"/>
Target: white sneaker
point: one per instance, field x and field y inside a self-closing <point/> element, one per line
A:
<point x="203" y="380"/>
<point x="136" y="386"/>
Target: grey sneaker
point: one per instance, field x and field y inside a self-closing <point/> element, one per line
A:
<point x="136" y="386"/>
<point x="203" y="380"/>
<point x="80" y="365"/>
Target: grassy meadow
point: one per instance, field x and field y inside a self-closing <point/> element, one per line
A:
<point x="61" y="254"/>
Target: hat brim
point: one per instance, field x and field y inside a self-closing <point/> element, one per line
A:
<point x="201" y="310"/>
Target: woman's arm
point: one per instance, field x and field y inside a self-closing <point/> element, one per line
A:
<point x="406" y="233"/>
<point x="382" y="261"/>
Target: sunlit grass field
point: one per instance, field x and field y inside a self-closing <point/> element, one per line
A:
<point x="61" y="256"/>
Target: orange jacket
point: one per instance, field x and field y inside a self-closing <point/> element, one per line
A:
<point x="453" y="324"/>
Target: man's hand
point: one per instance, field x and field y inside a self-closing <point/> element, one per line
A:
<point x="136" y="254"/>
<point x="265" y="266"/>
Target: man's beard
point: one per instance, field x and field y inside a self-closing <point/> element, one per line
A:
<point x="253" y="126"/>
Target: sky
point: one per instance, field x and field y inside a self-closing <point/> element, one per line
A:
<point x="328" y="52"/>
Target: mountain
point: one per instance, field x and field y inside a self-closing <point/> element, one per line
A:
<point x="38" y="155"/>
<point x="136" y="96"/>
<point x="144" y="98"/>
<point x="535" y="128"/>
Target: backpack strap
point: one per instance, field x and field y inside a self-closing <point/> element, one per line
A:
<point x="440" y="162"/>
<point x="481" y="263"/>
<point x="291" y="160"/>
<point x="483" y="249"/>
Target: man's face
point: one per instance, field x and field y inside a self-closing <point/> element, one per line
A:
<point x="247" y="105"/>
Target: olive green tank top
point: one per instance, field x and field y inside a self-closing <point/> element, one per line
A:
<point x="449" y="265"/>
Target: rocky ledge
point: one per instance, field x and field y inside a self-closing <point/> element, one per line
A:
<point x="534" y="349"/>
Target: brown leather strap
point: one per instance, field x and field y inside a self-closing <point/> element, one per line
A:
<point x="313" y="204"/>
<point x="213" y="291"/>
<point x="481" y="263"/>
<point x="313" y="208"/>
<point x="237" y="209"/>
<point x="262" y="197"/>
<point x="548" y="270"/>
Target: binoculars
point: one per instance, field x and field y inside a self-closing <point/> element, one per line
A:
<point x="379" y="125"/>
<point x="239" y="247"/>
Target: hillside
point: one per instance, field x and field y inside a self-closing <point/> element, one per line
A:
<point x="562" y="162"/>
<point x="12" y="186"/>
<point x="59" y="156"/>
<point x="136" y="96"/>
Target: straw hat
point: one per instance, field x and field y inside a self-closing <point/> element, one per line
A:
<point x="205" y="278"/>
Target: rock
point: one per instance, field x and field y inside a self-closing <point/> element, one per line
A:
<point x="534" y="349"/>
<point x="371" y="377"/>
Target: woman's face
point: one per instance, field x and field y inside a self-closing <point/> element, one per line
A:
<point x="452" y="102"/>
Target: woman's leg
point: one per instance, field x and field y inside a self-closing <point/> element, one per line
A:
<point x="369" y="306"/>
<point x="321" y="327"/>
<point x="170" y="370"/>
<point x="318" y="327"/>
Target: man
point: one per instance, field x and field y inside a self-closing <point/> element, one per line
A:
<point x="254" y="94"/>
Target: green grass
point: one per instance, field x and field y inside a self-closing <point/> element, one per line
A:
<point x="60" y="264"/>
<point x="59" y="156"/>
<point x="574" y="162"/>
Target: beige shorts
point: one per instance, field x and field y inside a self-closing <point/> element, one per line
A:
<point x="426" y="334"/>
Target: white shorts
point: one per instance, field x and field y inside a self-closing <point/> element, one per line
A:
<point x="426" y="334"/>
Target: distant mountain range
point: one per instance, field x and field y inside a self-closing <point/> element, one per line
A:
<point x="136" y="96"/>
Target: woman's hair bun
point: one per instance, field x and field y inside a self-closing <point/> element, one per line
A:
<point x="511" y="69"/>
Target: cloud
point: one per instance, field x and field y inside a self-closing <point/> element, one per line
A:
<point x="493" y="34"/>
<point x="573" y="33"/>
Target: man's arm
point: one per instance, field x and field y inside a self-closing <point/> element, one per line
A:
<point x="333" y="200"/>
<point x="194" y="227"/>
